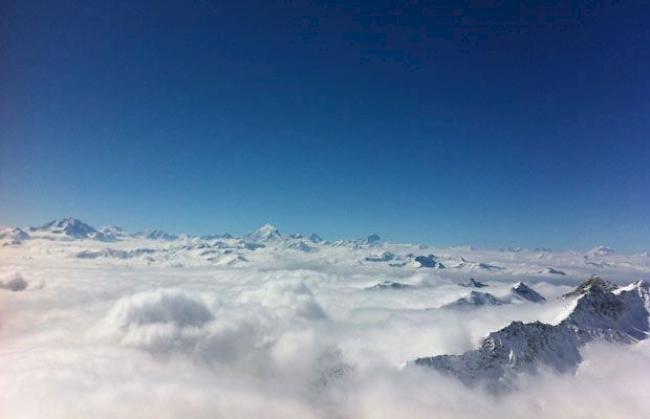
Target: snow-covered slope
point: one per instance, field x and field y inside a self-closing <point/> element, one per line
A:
<point x="67" y="229"/>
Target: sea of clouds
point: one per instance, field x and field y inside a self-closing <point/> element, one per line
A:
<point x="287" y="335"/>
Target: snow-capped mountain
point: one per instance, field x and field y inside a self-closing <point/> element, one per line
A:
<point x="599" y="313"/>
<point x="12" y="235"/>
<point x="68" y="228"/>
<point x="265" y="233"/>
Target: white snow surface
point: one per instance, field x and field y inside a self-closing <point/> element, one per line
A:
<point x="109" y="324"/>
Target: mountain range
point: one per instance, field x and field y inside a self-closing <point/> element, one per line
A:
<point x="599" y="310"/>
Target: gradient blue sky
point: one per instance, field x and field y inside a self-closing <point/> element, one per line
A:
<point x="515" y="123"/>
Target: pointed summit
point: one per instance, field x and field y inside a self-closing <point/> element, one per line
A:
<point x="315" y="238"/>
<point x="266" y="232"/>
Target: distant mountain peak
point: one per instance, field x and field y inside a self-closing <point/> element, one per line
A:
<point x="266" y="232"/>
<point x="70" y="227"/>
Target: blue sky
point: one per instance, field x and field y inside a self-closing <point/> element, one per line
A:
<point x="491" y="126"/>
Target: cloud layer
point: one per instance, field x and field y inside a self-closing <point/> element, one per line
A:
<point x="286" y="334"/>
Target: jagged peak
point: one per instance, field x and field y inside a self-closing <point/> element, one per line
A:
<point x="71" y="227"/>
<point x="61" y="224"/>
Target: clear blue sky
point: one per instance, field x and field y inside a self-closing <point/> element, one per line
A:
<point x="489" y="125"/>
